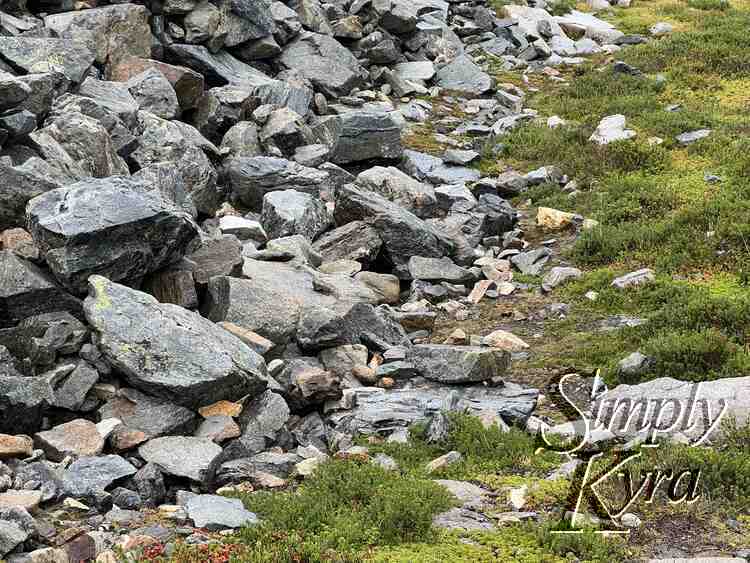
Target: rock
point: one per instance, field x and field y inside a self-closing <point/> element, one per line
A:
<point x="251" y="178"/>
<point x="265" y="415"/>
<point x="660" y="28"/>
<point x="87" y="475"/>
<point x="181" y="456"/>
<point x="505" y="341"/>
<point x="403" y="234"/>
<point x="214" y="512"/>
<point x="12" y="92"/>
<point x="693" y="136"/>
<point x="463" y="519"/>
<point x="36" y="54"/>
<point x="218" y="428"/>
<point x="558" y="276"/>
<point x="148" y="416"/>
<point x="154" y="93"/>
<point x="290" y="212"/>
<point x="256" y="342"/>
<point x="400" y="188"/>
<point x="22" y="183"/>
<point x="187" y="84"/>
<point x="243" y="229"/>
<point x="26" y="291"/>
<point x="27" y="500"/>
<point x="353" y="241"/>
<point x="634" y="279"/>
<point x="22" y="403"/>
<point x="437" y="270"/>
<point x="149" y="482"/>
<point x="78" y="438"/>
<point x="555" y="220"/>
<point x="634" y="367"/>
<point x="115" y="209"/>
<point x="463" y="76"/>
<point x="170" y="352"/>
<point x="70" y="393"/>
<point x="16" y="446"/>
<point x="286" y="130"/>
<point x="11" y="536"/>
<point x="459" y="364"/>
<point x="386" y="286"/>
<point x="346" y="268"/>
<point x="532" y="262"/>
<point x="443" y="461"/>
<point x="611" y="129"/>
<point x="109" y="31"/>
<point x="322" y="60"/>
<point x="415" y="71"/>
<point x="290" y="287"/>
<point x="366" y="134"/>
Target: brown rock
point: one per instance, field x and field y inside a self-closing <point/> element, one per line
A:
<point x="221" y="408"/>
<point x="124" y="438"/>
<point x="187" y="83"/>
<point x="15" y="446"/>
<point x="173" y="285"/>
<point x="505" y="341"/>
<point x="365" y="374"/>
<point x="77" y="438"/>
<point x="458" y="336"/>
<point x="28" y="500"/>
<point x="255" y="341"/>
<point x="20" y="242"/>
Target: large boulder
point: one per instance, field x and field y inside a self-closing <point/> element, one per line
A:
<point x="367" y="134"/>
<point x="354" y="241"/>
<point x="26" y="290"/>
<point x="181" y="456"/>
<point x="325" y="62"/>
<point x="271" y="298"/>
<point x="109" y="31"/>
<point x="403" y="234"/>
<point x="170" y="352"/>
<point x="38" y="54"/>
<point x="290" y="212"/>
<point x="18" y="184"/>
<point x="459" y="364"/>
<point x="400" y="188"/>
<point x="117" y="227"/>
<point x="252" y="178"/>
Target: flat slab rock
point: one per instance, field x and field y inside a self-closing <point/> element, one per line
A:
<point x="89" y="474"/>
<point x="181" y="456"/>
<point x="170" y="352"/>
<point x="215" y="512"/>
<point x="381" y="411"/>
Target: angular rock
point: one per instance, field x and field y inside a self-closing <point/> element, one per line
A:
<point x="70" y="393"/>
<point x="462" y="75"/>
<point x="634" y="279"/>
<point x="403" y="234"/>
<point x="437" y="270"/>
<point x="144" y="229"/>
<point x="36" y="54"/>
<point x="367" y="134"/>
<point x="290" y="212"/>
<point x="459" y="364"/>
<point x="181" y="456"/>
<point x="15" y="447"/>
<point x="19" y="184"/>
<point x="22" y="403"/>
<point x="170" y="352"/>
<point x="78" y="438"/>
<point x="154" y="93"/>
<point x="214" y="512"/>
<point x="88" y="475"/>
<point x="611" y="129"/>
<point x="400" y="188"/>
<point x="558" y="276"/>
<point x="531" y="263"/>
<point x="353" y="241"/>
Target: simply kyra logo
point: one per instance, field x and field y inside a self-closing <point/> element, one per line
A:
<point x="610" y="480"/>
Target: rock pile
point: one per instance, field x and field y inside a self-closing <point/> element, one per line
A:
<point x="217" y="255"/>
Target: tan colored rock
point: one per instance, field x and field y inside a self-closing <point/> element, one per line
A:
<point x="226" y="408"/>
<point x="28" y="500"/>
<point x="365" y="374"/>
<point x="255" y="341"/>
<point x="20" y="242"/>
<point x="458" y="336"/>
<point x="554" y="219"/>
<point x="386" y="286"/>
<point x="78" y="438"/>
<point x="505" y="341"/>
<point x="15" y="446"/>
<point x="124" y="438"/>
<point x="480" y="288"/>
<point x="443" y="461"/>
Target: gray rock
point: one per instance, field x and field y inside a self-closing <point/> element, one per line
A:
<point x="306" y="384"/>
<point x="558" y="276"/>
<point x="113" y="96"/>
<point x="459" y="364"/>
<point x="403" y="234"/>
<point x="70" y="393"/>
<point x="634" y="279"/>
<point x="693" y="136"/>
<point x="367" y="134"/>
<point x="242" y="140"/>
<point x="286" y="21"/>
<point x="286" y="130"/>
<point x="290" y="212"/>
<point x="149" y="482"/>
<point x="256" y="16"/>
<point x="214" y="512"/>
<point x="181" y="456"/>
<point x="531" y="263"/>
<point x="19" y="184"/>
<point x="270" y="301"/>
<point x="419" y="164"/>
<point x="170" y="352"/>
<point x="354" y="241"/>
<point x="400" y="188"/>
<point x="22" y="403"/>
<point x="18" y="124"/>
<point x="322" y="60"/>
<point x="380" y="411"/>
<point x="313" y="17"/>
<point x="26" y="290"/>
<point x="265" y="415"/>
<point x="462" y="75"/>
<point x="36" y="54"/>
<point x="312" y="155"/>
<point x="144" y="230"/>
<point x="87" y="475"/>
<point x="154" y="417"/>
<point x="12" y="91"/>
<point x="437" y="270"/>
<point x="415" y="71"/>
<point x="185" y="149"/>
<point x="251" y="178"/>
<point x="153" y="93"/>
<point x="463" y="519"/>
<point x="11" y="536"/>
<point x="634" y="366"/>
